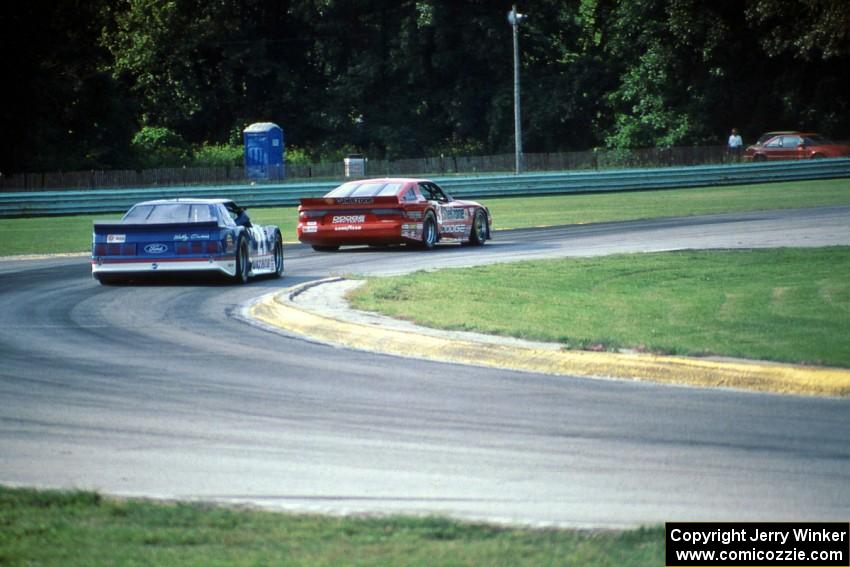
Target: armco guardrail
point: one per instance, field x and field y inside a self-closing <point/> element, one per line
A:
<point x="265" y="195"/>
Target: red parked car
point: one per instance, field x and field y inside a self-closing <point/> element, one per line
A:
<point x="794" y="145"/>
<point x="390" y="211"/>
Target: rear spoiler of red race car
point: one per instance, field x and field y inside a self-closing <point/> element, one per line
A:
<point x="349" y="202"/>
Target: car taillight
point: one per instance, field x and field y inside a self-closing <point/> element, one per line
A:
<point x="198" y="247"/>
<point x="100" y="249"/>
<point x="311" y="214"/>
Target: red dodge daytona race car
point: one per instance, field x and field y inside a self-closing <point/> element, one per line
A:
<point x="390" y="211"/>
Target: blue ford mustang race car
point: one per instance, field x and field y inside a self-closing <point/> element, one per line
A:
<point x="185" y="235"/>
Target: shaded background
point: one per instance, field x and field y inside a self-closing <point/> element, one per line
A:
<point x="102" y="84"/>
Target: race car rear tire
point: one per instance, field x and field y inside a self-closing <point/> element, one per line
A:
<point x="319" y="248"/>
<point x="429" y="232"/>
<point x="243" y="261"/>
<point x="478" y="234"/>
<point x="278" y="256"/>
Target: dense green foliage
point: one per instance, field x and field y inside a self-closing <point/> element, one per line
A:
<point x="787" y="304"/>
<point x="83" y="528"/>
<point x="410" y="78"/>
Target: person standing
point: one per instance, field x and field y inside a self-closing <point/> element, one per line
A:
<point x="735" y="145"/>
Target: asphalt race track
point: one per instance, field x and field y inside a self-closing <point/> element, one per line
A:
<point x="163" y="390"/>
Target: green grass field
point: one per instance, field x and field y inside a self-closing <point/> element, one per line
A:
<point x="790" y="305"/>
<point x="83" y="529"/>
<point x="73" y="233"/>
<point x="522" y="212"/>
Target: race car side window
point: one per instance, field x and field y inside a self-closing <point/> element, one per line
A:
<point x="409" y="196"/>
<point x="433" y="193"/>
<point x="427" y="192"/>
<point x="226" y="217"/>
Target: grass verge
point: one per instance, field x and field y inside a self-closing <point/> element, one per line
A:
<point x="83" y="528"/>
<point x="73" y="233"/>
<point x="786" y="305"/>
<point x="69" y="234"/>
<point x="555" y="210"/>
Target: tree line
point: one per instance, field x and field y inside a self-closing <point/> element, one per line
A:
<point x="100" y="84"/>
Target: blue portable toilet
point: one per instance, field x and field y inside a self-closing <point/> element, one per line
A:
<point x="264" y="151"/>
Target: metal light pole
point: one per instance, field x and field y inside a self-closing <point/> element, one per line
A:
<point x="514" y="19"/>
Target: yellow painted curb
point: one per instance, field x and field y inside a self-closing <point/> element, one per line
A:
<point x="766" y="377"/>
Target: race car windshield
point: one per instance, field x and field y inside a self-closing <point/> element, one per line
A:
<point x="176" y="212"/>
<point x="368" y="189"/>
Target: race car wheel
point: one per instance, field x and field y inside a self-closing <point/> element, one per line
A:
<point x="429" y="232"/>
<point x="278" y="256"/>
<point x="318" y="248"/>
<point x="479" y="229"/>
<point x="243" y="261"/>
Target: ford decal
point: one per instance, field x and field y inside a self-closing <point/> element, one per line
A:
<point x="156" y="248"/>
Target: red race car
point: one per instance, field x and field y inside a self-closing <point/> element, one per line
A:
<point x="390" y="211"/>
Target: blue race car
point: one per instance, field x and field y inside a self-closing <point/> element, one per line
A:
<point x="185" y="235"/>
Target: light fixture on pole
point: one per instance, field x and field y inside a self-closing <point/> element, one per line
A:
<point x="515" y="18"/>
